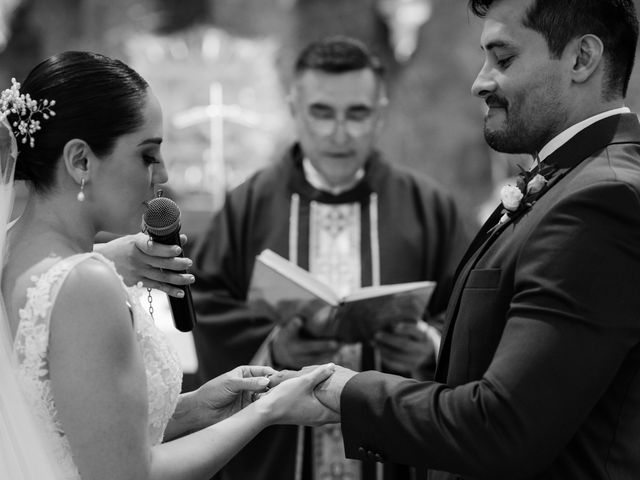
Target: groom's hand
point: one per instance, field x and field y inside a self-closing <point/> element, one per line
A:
<point x="329" y="391"/>
<point x="292" y="399"/>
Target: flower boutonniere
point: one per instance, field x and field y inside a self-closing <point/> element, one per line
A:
<point x="529" y="185"/>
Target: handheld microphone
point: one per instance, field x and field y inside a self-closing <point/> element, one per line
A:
<point x="161" y="222"/>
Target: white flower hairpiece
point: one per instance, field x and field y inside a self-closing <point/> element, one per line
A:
<point x="12" y="101"/>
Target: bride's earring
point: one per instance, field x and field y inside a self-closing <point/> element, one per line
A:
<point x="80" y="196"/>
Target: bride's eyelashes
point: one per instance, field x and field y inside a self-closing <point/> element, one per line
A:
<point x="150" y="159"/>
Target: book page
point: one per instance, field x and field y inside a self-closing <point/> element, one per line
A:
<point x="280" y="290"/>
<point x="278" y="294"/>
<point x="293" y="273"/>
<point x="381" y="290"/>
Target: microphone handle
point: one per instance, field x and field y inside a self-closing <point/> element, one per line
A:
<point x="184" y="315"/>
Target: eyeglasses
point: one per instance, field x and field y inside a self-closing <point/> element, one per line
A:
<point x="356" y="122"/>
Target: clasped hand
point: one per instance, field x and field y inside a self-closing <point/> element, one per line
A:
<point x="292" y="398"/>
<point x="228" y="393"/>
<point x="282" y="397"/>
<point x="327" y="391"/>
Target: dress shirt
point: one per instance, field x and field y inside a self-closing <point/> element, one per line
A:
<point x="563" y="137"/>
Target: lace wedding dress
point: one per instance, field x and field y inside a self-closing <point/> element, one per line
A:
<point x="163" y="372"/>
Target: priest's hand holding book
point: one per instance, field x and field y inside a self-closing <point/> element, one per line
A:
<point x="293" y="347"/>
<point x="313" y="321"/>
<point x="406" y="347"/>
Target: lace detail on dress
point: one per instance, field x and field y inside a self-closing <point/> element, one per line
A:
<point x="31" y="346"/>
<point x="162" y="365"/>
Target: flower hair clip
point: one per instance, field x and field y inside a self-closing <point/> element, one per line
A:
<point x="12" y="101"/>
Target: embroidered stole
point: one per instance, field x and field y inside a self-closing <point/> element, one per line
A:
<point x="343" y="251"/>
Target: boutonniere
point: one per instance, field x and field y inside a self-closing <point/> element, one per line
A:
<point x="529" y="185"/>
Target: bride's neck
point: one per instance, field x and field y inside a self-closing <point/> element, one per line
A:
<point x="48" y="228"/>
<point x="56" y="222"/>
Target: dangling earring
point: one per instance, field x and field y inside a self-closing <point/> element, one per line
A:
<point x="80" y="196"/>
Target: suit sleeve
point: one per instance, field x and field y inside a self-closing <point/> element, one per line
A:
<point x="571" y="323"/>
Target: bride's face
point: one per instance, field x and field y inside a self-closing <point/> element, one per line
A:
<point x="128" y="176"/>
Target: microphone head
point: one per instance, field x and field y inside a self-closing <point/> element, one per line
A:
<point x="161" y="218"/>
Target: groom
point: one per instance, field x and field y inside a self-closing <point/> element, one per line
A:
<point x="539" y="369"/>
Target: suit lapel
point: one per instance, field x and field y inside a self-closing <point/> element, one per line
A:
<point x="442" y="363"/>
<point x="460" y="276"/>
<point x="480" y="237"/>
<point x="593" y="138"/>
<point x="623" y="128"/>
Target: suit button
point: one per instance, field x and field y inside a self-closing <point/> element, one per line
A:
<point x="361" y="450"/>
<point x="378" y="457"/>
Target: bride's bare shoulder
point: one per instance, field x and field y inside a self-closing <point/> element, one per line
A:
<point x="80" y="290"/>
<point x="93" y="282"/>
<point x="82" y="271"/>
<point x="91" y="315"/>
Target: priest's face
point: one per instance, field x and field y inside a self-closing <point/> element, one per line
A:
<point x="338" y="120"/>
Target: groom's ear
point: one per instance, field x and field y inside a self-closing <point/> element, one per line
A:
<point x="587" y="52"/>
<point x="75" y="155"/>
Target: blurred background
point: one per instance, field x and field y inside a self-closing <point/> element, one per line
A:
<point x="221" y="69"/>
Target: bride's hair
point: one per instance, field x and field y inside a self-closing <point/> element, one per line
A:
<point x="97" y="99"/>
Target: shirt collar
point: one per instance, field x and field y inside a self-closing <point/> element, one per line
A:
<point x="563" y="137"/>
<point x="317" y="181"/>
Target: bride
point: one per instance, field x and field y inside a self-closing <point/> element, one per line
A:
<point x="101" y="386"/>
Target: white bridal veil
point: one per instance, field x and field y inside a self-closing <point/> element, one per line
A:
<point x="23" y="452"/>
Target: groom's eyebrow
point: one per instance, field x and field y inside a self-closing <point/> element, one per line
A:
<point x="495" y="44"/>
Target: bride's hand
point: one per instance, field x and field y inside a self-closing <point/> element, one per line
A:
<point x="293" y="401"/>
<point x="224" y="395"/>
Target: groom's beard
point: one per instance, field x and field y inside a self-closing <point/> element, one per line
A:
<point x="518" y="130"/>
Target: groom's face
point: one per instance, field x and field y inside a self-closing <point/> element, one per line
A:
<point x="523" y="87"/>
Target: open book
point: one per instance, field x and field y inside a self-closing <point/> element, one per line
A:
<point x="283" y="289"/>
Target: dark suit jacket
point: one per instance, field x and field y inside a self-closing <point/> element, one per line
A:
<point x="539" y="368"/>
